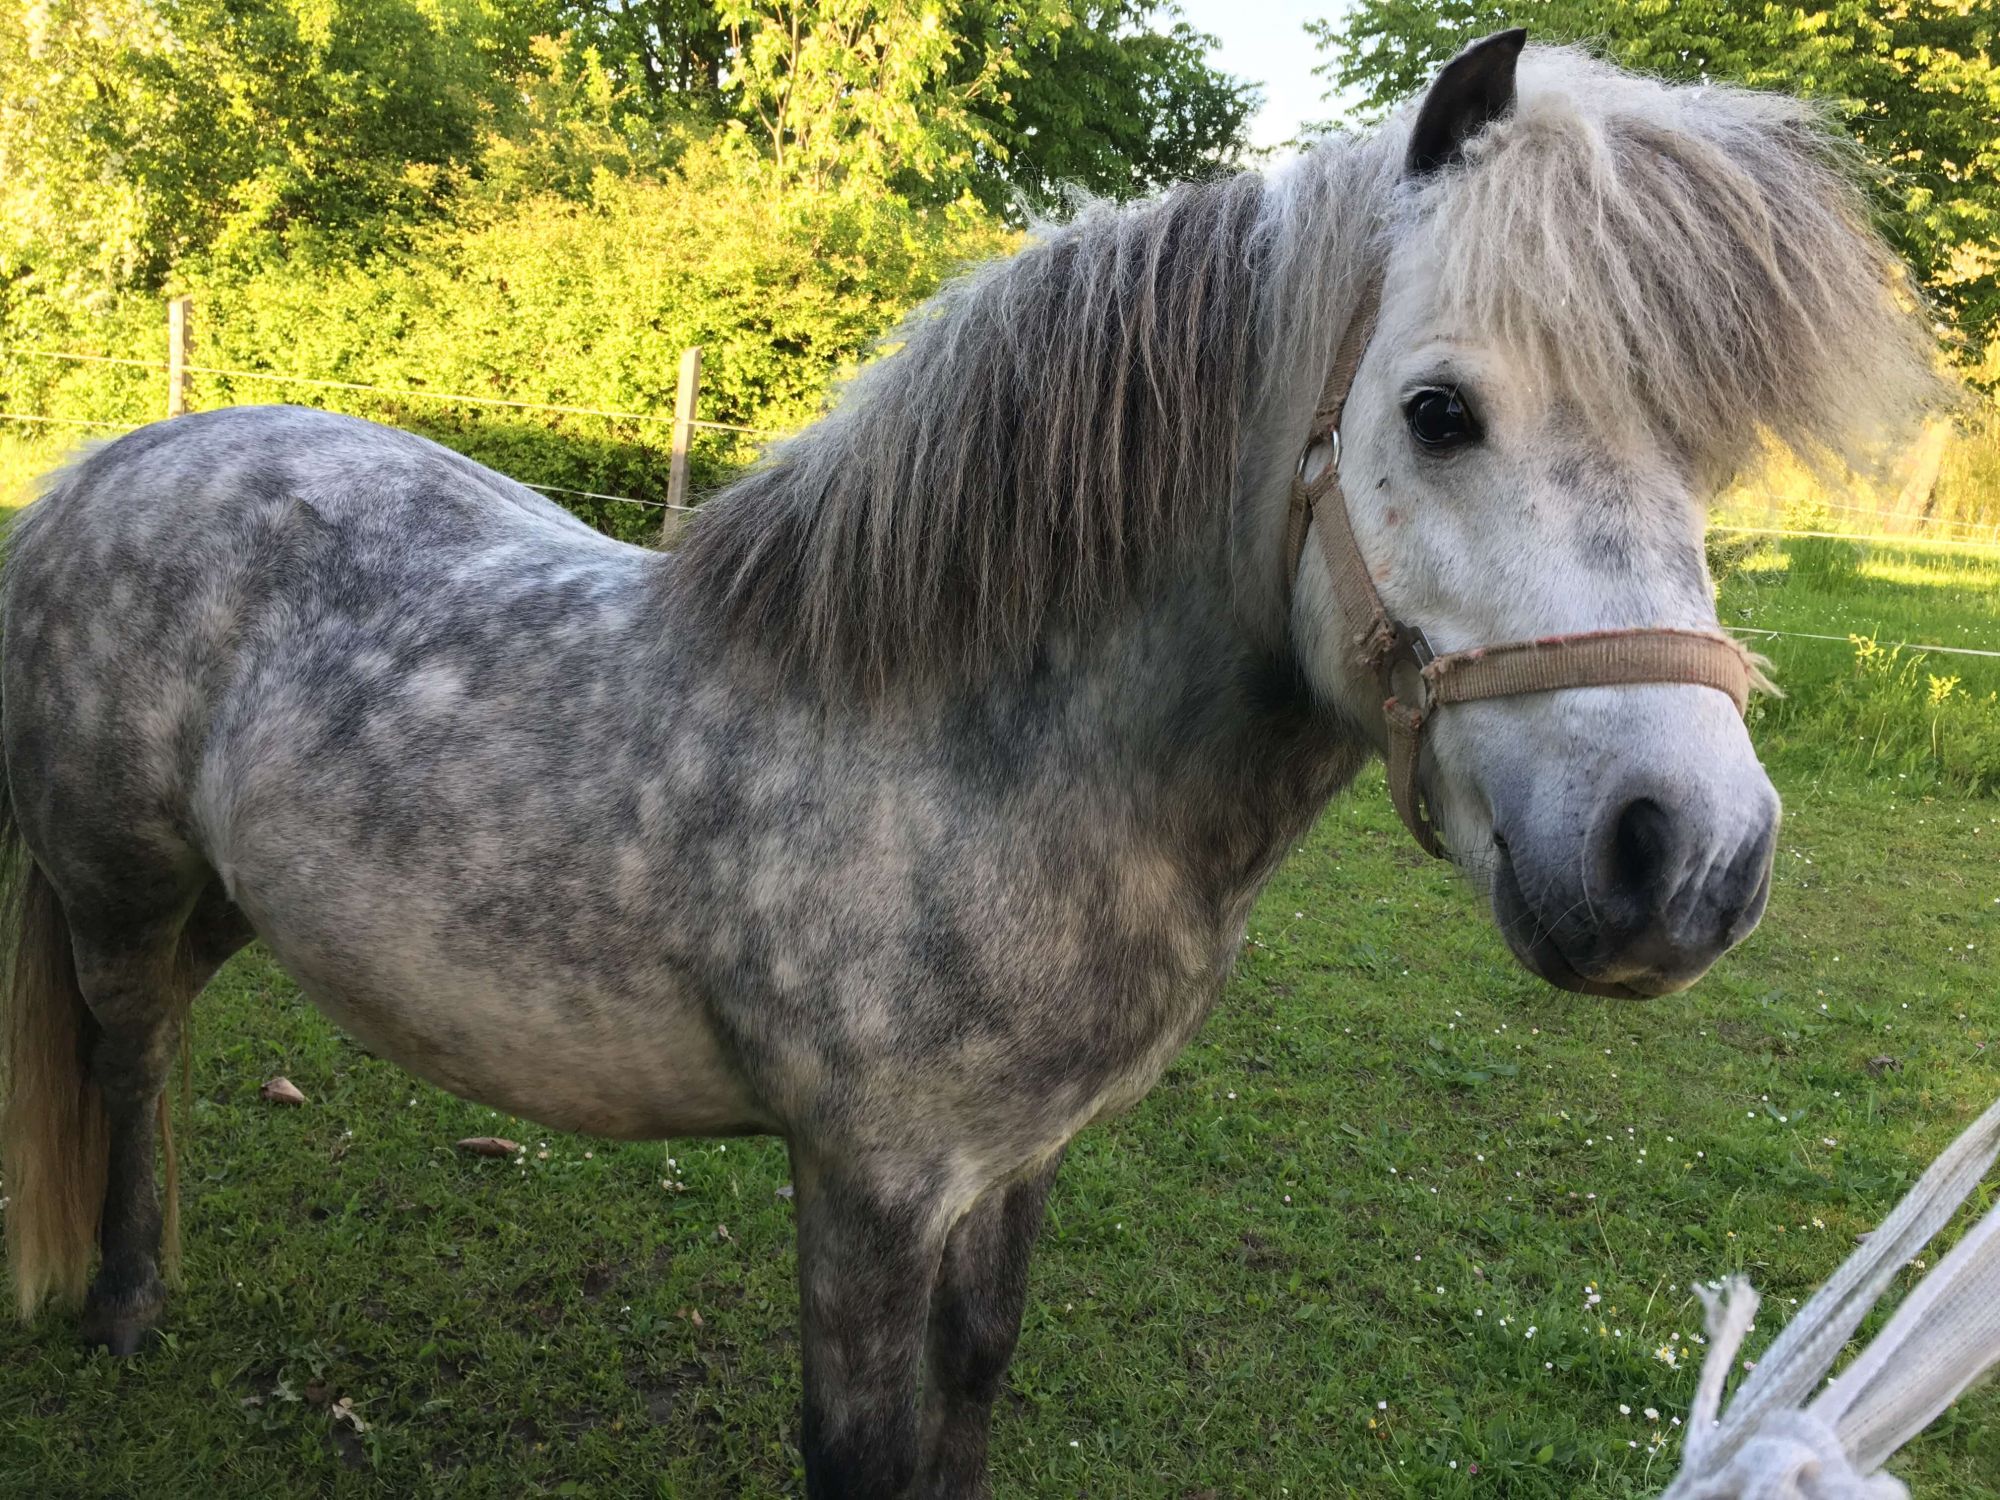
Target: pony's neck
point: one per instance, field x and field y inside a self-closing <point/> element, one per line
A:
<point x="1203" y="730"/>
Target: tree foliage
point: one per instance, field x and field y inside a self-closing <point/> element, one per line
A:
<point x="877" y="90"/>
<point x="136" y="132"/>
<point x="1916" y="82"/>
<point x="1115" y="97"/>
<point x="941" y="97"/>
<point x="138" y="136"/>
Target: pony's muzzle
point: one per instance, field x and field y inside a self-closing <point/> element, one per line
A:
<point x="1662" y="889"/>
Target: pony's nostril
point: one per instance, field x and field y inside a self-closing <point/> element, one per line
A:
<point x="1641" y="851"/>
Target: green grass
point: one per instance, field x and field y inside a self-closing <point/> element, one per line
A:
<point x="1875" y="710"/>
<point x="1466" y="1156"/>
<point x="1388" y="1157"/>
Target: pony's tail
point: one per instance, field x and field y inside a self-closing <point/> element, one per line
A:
<point x="54" y="1133"/>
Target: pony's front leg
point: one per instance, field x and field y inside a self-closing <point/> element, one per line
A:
<point x="982" y="1285"/>
<point x="870" y="1234"/>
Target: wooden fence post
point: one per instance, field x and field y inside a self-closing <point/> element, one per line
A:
<point x="685" y="396"/>
<point x="177" y="356"/>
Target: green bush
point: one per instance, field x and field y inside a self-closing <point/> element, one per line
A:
<point x="1729" y="552"/>
<point x="573" y="304"/>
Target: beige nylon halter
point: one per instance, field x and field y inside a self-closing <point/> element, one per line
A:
<point x="1415" y="680"/>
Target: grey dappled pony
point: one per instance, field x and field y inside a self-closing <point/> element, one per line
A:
<point x="914" y="809"/>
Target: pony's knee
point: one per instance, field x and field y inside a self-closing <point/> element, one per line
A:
<point x="971" y="1349"/>
<point x="860" y="1454"/>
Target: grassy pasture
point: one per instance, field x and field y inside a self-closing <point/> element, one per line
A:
<point x="1402" y="1221"/>
<point x="1874" y="710"/>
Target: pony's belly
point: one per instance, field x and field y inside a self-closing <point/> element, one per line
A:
<point x="602" y="1065"/>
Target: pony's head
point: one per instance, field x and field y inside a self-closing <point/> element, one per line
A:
<point x="1601" y="296"/>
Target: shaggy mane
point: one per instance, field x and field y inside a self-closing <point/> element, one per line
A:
<point x="1061" y="428"/>
<point x="1044" y="435"/>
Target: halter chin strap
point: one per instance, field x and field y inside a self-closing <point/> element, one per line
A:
<point x="1415" y="681"/>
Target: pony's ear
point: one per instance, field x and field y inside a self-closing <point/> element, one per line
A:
<point x="1470" y="92"/>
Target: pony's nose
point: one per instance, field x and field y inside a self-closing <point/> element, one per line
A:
<point x="1671" y="888"/>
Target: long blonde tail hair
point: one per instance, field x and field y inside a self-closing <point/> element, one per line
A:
<point x="54" y="1133"/>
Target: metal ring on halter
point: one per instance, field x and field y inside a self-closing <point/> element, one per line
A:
<point x="1331" y="437"/>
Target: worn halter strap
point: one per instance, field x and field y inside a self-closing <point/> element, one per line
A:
<point x="1415" y="681"/>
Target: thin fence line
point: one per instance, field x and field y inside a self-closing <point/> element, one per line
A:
<point x="1870" y="510"/>
<point x="1805" y="635"/>
<point x="557" y="489"/>
<point x="1968" y="531"/>
<point x="1854" y="536"/>
<point x="94" y="359"/>
<point x="1776" y="531"/>
<point x="459" y="398"/>
<point x="285" y="378"/>
<point x="21" y="416"/>
<point x="456" y="397"/>
<point x="281" y="377"/>
<point x="15" y="416"/>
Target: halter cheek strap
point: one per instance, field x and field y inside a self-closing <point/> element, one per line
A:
<point x="1415" y="681"/>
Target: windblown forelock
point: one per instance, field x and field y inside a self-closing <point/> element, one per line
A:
<point x="1694" y="263"/>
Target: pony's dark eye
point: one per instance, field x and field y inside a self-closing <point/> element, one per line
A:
<point x="1439" y="418"/>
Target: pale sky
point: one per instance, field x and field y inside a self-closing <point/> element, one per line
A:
<point x="1265" y="42"/>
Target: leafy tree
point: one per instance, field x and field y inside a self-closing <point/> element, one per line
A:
<point x="942" y="97"/>
<point x="1916" y="82"/>
<point x="138" y="136"/>
<point x="1116" y="97"/>
<point x="547" y="199"/>
<point x="136" y="132"/>
<point x="877" y="90"/>
<point x="572" y="119"/>
<point x="673" y="50"/>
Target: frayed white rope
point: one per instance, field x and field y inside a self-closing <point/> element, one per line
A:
<point x="1946" y="1333"/>
<point x="1771" y="1445"/>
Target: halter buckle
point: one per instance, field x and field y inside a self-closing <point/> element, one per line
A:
<point x="1402" y="667"/>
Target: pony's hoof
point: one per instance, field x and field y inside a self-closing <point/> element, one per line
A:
<point x="120" y="1337"/>
<point x="122" y="1322"/>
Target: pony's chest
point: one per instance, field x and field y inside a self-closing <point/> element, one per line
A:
<point x="1185" y="998"/>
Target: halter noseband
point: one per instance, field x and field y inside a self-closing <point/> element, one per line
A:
<point x="1415" y="680"/>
